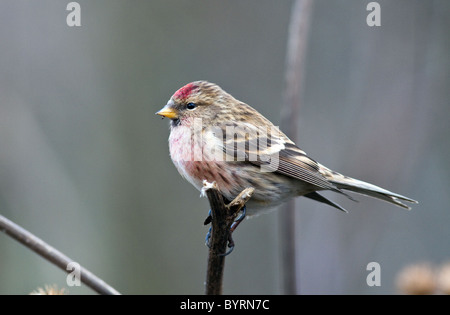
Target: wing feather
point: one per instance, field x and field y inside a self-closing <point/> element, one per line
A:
<point x="261" y="147"/>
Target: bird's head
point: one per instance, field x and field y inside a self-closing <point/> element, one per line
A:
<point x="199" y="99"/>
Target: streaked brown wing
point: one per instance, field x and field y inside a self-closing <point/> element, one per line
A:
<point x="274" y="151"/>
<point x="295" y="163"/>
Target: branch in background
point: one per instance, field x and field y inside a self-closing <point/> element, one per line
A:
<point x="222" y="218"/>
<point x="295" y="68"/>
<point x="54" y="256"/>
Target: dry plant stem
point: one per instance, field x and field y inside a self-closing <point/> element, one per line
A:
<point x="218" y="245"/>
<point x="53" y="255"/>
<point x="295" y="65"/>
<point x="222" y="218"/>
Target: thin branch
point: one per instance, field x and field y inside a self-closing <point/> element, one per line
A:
<point x="223" y="217"/>
<point x="54" y="256"/>
<point x="295" y="68"/>
<point x="218" y="244"/>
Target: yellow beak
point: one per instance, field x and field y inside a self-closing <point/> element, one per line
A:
<point x="168" y="112"/>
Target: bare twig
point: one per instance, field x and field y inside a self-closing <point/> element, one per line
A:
<point x="222" y="218"/>
<point x="54" y="256"/>
<point x="295" y="65"/>
<point x="219" y="239"/>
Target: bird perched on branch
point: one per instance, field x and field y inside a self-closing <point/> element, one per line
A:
<point x="215" y="137"/>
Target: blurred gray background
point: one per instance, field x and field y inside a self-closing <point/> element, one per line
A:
<point x="84" y="162"/>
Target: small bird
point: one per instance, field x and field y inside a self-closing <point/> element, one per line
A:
<point x="215" y="137"/>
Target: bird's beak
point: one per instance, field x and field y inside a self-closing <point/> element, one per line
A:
<point x="168" y="112"/>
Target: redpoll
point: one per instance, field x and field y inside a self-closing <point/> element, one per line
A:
<point x="215" y="137"/>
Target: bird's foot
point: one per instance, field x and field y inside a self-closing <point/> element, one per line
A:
<point x="233" y="227"/>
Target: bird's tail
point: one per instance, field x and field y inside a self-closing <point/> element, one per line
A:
<point x="358" y="186"/>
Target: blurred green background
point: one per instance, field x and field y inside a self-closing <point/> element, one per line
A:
<point x="84" y="162"/>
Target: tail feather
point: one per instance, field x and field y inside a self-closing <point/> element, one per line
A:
<point x="358" y="186"/>
<point x="317" y="197"/>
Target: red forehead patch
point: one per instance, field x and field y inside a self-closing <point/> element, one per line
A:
<point x="185" y="91"/>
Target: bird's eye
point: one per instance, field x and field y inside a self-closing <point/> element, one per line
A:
<point x="191" y="106"/>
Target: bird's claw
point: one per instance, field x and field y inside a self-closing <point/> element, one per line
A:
<point x="233" y="227"/>
<point x="208" y="218"/>
<point x="239" y="219"/>
<point x="208" y="237"/>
